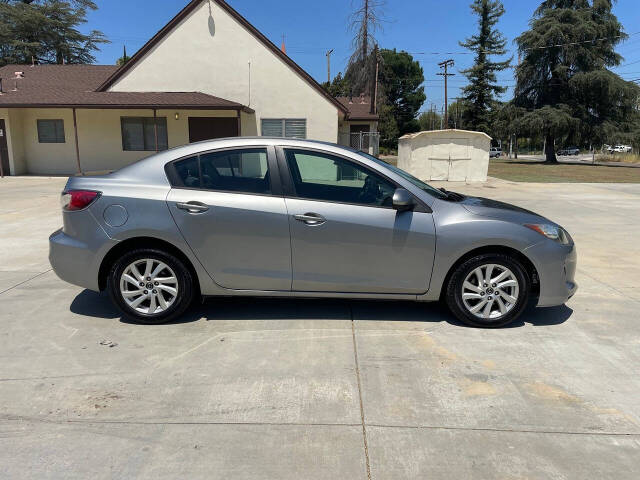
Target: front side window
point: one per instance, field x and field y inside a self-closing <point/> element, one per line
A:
<point x="139" y="134"/>
<point x="51" y="131"/>
<point x="284" y="127"/>
<point x="321" y="176"/>
<point x="244" y="170"/>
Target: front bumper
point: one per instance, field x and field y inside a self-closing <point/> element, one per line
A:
<point x="556" y="266"/>
<point x="76" y="262"/>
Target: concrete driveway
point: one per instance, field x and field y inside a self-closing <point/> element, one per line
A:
<point x="323" y="389"/>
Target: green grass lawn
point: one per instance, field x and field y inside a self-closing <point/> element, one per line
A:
<point x="529" y="171"/>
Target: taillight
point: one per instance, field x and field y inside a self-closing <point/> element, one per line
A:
<point x="74" y="200"/>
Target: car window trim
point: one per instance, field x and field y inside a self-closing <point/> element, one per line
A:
<point x="274" y="171"/>
<point x="289" y="189"/>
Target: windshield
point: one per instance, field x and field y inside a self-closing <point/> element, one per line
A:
<point x="407" y="176"/>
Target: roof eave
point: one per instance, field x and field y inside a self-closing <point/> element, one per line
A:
<point x="127" y="106"/>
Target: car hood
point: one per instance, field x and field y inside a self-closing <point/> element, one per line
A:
<point x="504" y="211"/>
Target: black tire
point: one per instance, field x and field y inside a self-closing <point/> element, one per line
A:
<point x="453" y="293"/>
<point x="184" y="279"/>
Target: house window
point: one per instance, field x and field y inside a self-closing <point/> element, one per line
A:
<point x="51" y="131"/>
<point x="138" y="134"/>
<point x="284" y="127"/>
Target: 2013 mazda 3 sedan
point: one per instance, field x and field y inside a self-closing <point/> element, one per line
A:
<point x="295" y="218"/>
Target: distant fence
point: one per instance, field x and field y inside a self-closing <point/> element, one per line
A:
<point x="368" y="142"/>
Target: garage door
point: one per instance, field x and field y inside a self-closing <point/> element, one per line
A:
<point x="206" y="128"/>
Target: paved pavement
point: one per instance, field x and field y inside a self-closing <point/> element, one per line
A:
<point x="323" y="389"/>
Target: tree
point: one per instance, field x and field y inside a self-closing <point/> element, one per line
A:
<point x="364" y="22"/>
<point x="429" y="120"/>
<point x="563" y="82"/>
<point x="46" y="31"/>
<point x="124" y="58"/>
<point x="480" y="94"/>
<point x="401" y="95"/>
<point x="339" y="86"/>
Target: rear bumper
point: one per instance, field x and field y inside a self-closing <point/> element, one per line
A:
<point x="76" y="262"/>
<point x="556" y="266"/>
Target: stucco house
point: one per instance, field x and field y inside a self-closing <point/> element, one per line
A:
<point x="207" y="74"/>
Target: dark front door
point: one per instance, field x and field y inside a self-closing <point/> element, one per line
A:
<point x="4" y="151"/>
<point x="206" y="128"/>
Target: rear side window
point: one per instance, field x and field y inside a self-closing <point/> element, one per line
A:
<point x="242" y="170"/>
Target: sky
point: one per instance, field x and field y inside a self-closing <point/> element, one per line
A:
<point x="428" y="29"/>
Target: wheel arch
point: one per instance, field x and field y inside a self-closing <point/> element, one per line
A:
<point x="143" y="242"/>
<point x="496" y="249"/>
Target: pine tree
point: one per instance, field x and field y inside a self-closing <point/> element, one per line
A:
<point x="124" y="58"/>
<point x="564" y="83"/>
<point x="46" y="31"/>
<point x="480" y="94"/>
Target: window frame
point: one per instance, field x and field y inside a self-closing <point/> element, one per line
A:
<point x="60" y="120"/>
<point x="144" y="149"/>
<point x="289" y="190"/>
<point x="284" y="127"/>
<point x="274" y="178"/>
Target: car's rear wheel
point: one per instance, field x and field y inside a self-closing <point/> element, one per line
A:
<point x="489" y="290"/>
<point x="150" y="286"/>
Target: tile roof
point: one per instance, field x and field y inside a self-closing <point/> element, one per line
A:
<point x="75" y="86"/>
<point x="359" y="108"/>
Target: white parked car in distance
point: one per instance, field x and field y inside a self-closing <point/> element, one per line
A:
<point x="622" y="149"/>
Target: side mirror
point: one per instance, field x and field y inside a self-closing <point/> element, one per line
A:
<point x="402" y="200"/>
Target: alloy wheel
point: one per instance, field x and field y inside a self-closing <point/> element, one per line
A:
<point x="490" y="291"/>
<point x="149" y="286"/>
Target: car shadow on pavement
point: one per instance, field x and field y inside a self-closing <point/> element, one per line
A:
<point x="98" y="305"/>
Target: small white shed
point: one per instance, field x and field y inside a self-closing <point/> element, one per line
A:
<point x="451" y="155"/>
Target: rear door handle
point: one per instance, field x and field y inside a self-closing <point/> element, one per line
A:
<point x="310" y="218"/>
<point x="192" y="207"/>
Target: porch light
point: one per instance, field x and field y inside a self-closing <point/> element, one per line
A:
<point x="177" y="116"/>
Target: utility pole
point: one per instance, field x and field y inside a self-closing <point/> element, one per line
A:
<point x="329" y="65"/>
<point x="445" y="65"/>
<point x="441" y="116"/>
<point x="374" y="104"/>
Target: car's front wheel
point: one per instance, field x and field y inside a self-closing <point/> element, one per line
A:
<point x="150" y="286"/>
<point x="489" y="290"/>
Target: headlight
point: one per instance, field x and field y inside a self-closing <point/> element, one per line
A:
<point x="553" y="232"/>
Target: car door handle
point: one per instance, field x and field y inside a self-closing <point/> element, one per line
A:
<point x="311" y="218"/>
<point x="192" y="207"/>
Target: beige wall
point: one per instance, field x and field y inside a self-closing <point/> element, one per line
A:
<point x="211" y="52"/>
<point x="99" y="138"/>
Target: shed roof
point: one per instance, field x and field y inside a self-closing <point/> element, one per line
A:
<point x="434" y="133"/>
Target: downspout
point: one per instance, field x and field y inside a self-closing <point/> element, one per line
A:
<point x="75" y="131"/>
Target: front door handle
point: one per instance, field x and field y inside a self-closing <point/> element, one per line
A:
<point x="192" y="207"/>
<point x="311" y="219"/>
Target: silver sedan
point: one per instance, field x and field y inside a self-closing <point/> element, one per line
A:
<point x="292" y="218"/>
